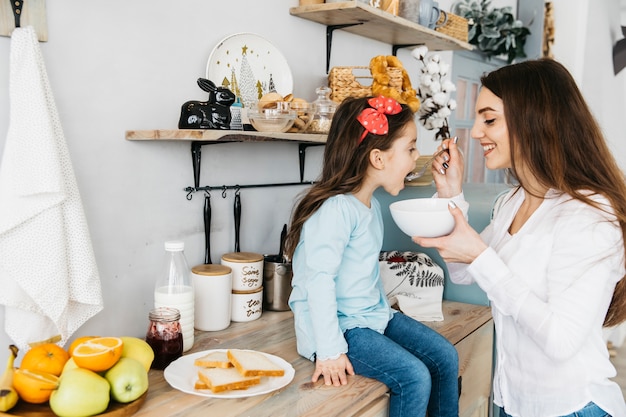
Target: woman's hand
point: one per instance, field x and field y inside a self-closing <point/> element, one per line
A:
<point x="333" y="370"/>
<point x="448" y="170"/>
<point x="463" y="245"/>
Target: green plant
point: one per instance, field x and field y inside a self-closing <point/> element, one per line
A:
<point x="494" y="31"/>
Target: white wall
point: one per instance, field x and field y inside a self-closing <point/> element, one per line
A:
<point x="585" y="33"/>
<point x="116" y="65"/>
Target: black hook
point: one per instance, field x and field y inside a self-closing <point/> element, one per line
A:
<point x="17" y="11"/>
<point x="237" y="189"/>
<point x="224" y="188"/>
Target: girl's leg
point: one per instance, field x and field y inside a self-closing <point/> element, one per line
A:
<point x="376" y="356"/>
<point x="439" y="355"/>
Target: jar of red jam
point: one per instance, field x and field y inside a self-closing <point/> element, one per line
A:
<point x="165" y="336"/>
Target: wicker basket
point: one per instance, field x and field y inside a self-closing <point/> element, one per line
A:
<point x="344" y="82"/>
<point x="456" y="26"/>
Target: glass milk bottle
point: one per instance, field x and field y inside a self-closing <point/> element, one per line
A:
<point x="175" y="290"/>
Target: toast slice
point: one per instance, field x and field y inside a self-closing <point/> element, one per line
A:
<point x="215" y="359"/>
<point x="224" y="379"/>
<point x="198" y="384"/>
<point x="251" y="363"/>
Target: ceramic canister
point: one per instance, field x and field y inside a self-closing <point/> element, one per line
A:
<point x="212" y="287"/>
<point x="247" y="305"/>
<point x="247" y="270"/>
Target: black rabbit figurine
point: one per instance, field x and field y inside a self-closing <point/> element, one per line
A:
<point x="211" y="114"/>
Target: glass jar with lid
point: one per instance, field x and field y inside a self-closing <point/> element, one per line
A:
<point x="323" y="111"/>
<point x="164" y="336"/>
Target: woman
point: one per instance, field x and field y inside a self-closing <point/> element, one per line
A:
<point x="552" y="260"/>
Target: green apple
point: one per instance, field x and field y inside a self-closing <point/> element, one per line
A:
<point x="128" y="379"/>
<point x="81" y="393"/>
<point x="138" y="349"/>
<point x="70" y="364"/>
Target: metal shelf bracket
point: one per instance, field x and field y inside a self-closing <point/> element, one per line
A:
<point x="329" y="39"/>
<point x="196" y="157"/>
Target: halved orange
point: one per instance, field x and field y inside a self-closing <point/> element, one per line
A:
<point x="78" y="342"/>
<point x="48" y="357"/>
<point x="34" y="386"/>
<point x="98" y="354"/>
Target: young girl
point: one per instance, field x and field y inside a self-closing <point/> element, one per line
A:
<point x="343" y="320"/>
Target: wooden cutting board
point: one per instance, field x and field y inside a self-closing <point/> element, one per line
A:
<point x="115" y="409"/>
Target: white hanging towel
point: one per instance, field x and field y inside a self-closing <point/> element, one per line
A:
<point x="49" y="281"/>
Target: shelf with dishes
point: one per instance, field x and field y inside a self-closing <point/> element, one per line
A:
<point x="202" y="137"/>
<point x="223" y="136"/>
<point x="370" y="22"/>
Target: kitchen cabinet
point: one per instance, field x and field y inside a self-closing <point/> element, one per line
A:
<point x="370" y="22"/>
<point x="469" y="327"/>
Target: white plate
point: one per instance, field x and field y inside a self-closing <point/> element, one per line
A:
<point x="250" y="60"/>
<point x="182" y="375"/>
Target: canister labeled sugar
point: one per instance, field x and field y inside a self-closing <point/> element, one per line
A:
<point x="247" y="270"/>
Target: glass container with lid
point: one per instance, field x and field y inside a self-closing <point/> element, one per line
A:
<point x="164" y="336"/>
<point x="323" y="111"/>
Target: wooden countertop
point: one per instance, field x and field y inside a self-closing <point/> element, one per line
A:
<point x="273" y="333"/>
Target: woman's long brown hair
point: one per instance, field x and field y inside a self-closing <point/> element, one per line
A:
<point x="554" y="134"/>
<point x="345" y="160"/>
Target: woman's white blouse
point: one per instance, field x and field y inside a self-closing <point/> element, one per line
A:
<point x="550" y="285"/>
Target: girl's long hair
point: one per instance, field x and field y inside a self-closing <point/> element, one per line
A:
<point x="555" y="136"/>
<point x="345" y="160"/>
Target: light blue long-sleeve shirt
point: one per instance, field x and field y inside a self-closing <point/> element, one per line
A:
<point x="336" y="277"/>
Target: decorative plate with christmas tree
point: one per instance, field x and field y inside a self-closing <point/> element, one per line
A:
<point x="250" y="66"/>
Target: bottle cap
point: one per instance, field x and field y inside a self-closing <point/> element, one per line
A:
<point x="175" y="245"/>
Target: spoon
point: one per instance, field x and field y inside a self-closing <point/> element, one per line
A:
<point x="415" y="175"/>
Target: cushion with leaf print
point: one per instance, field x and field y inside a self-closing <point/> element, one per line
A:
<point x="413" y="282"/>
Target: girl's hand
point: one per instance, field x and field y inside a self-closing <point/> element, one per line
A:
<point x="463" y="245"/>
<point x="333" y="370"/>
<point x="448" y="170"/>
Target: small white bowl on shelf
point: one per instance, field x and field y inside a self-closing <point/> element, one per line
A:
<point x="272" y="120"/>
<point x="425" y="217"/>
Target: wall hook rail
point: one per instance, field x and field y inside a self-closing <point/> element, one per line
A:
<point x="17" y="11"/>
<point x="22" y="13"/>
<point x="237" y="188"/>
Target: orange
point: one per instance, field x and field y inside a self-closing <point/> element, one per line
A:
<point x="34" y="386"/>
<point x="49" y="358"/>
<point x="98" y="354"/>
<point x="78" y="342"/>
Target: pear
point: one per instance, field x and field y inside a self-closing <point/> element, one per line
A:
<point x="81" y="393"/>
<point x="138" y="349"/>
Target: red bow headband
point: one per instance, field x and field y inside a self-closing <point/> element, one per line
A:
<point x="373" y="119"/>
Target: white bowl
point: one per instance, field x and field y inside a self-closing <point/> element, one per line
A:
<point x="425" y="217"/>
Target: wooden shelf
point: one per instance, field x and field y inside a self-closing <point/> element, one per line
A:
<point x="200" y="137"/>
<point x="208" y="135"/>
<point x="378" y="24"/>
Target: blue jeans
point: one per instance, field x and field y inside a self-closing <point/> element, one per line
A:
<point x="418" y="365"/>
<point x="590" y="410"/>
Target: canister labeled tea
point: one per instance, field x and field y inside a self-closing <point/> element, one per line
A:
<point x="247" y="305"/>
<point x="212" y="286"/>
<point x="247" y="270"/>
